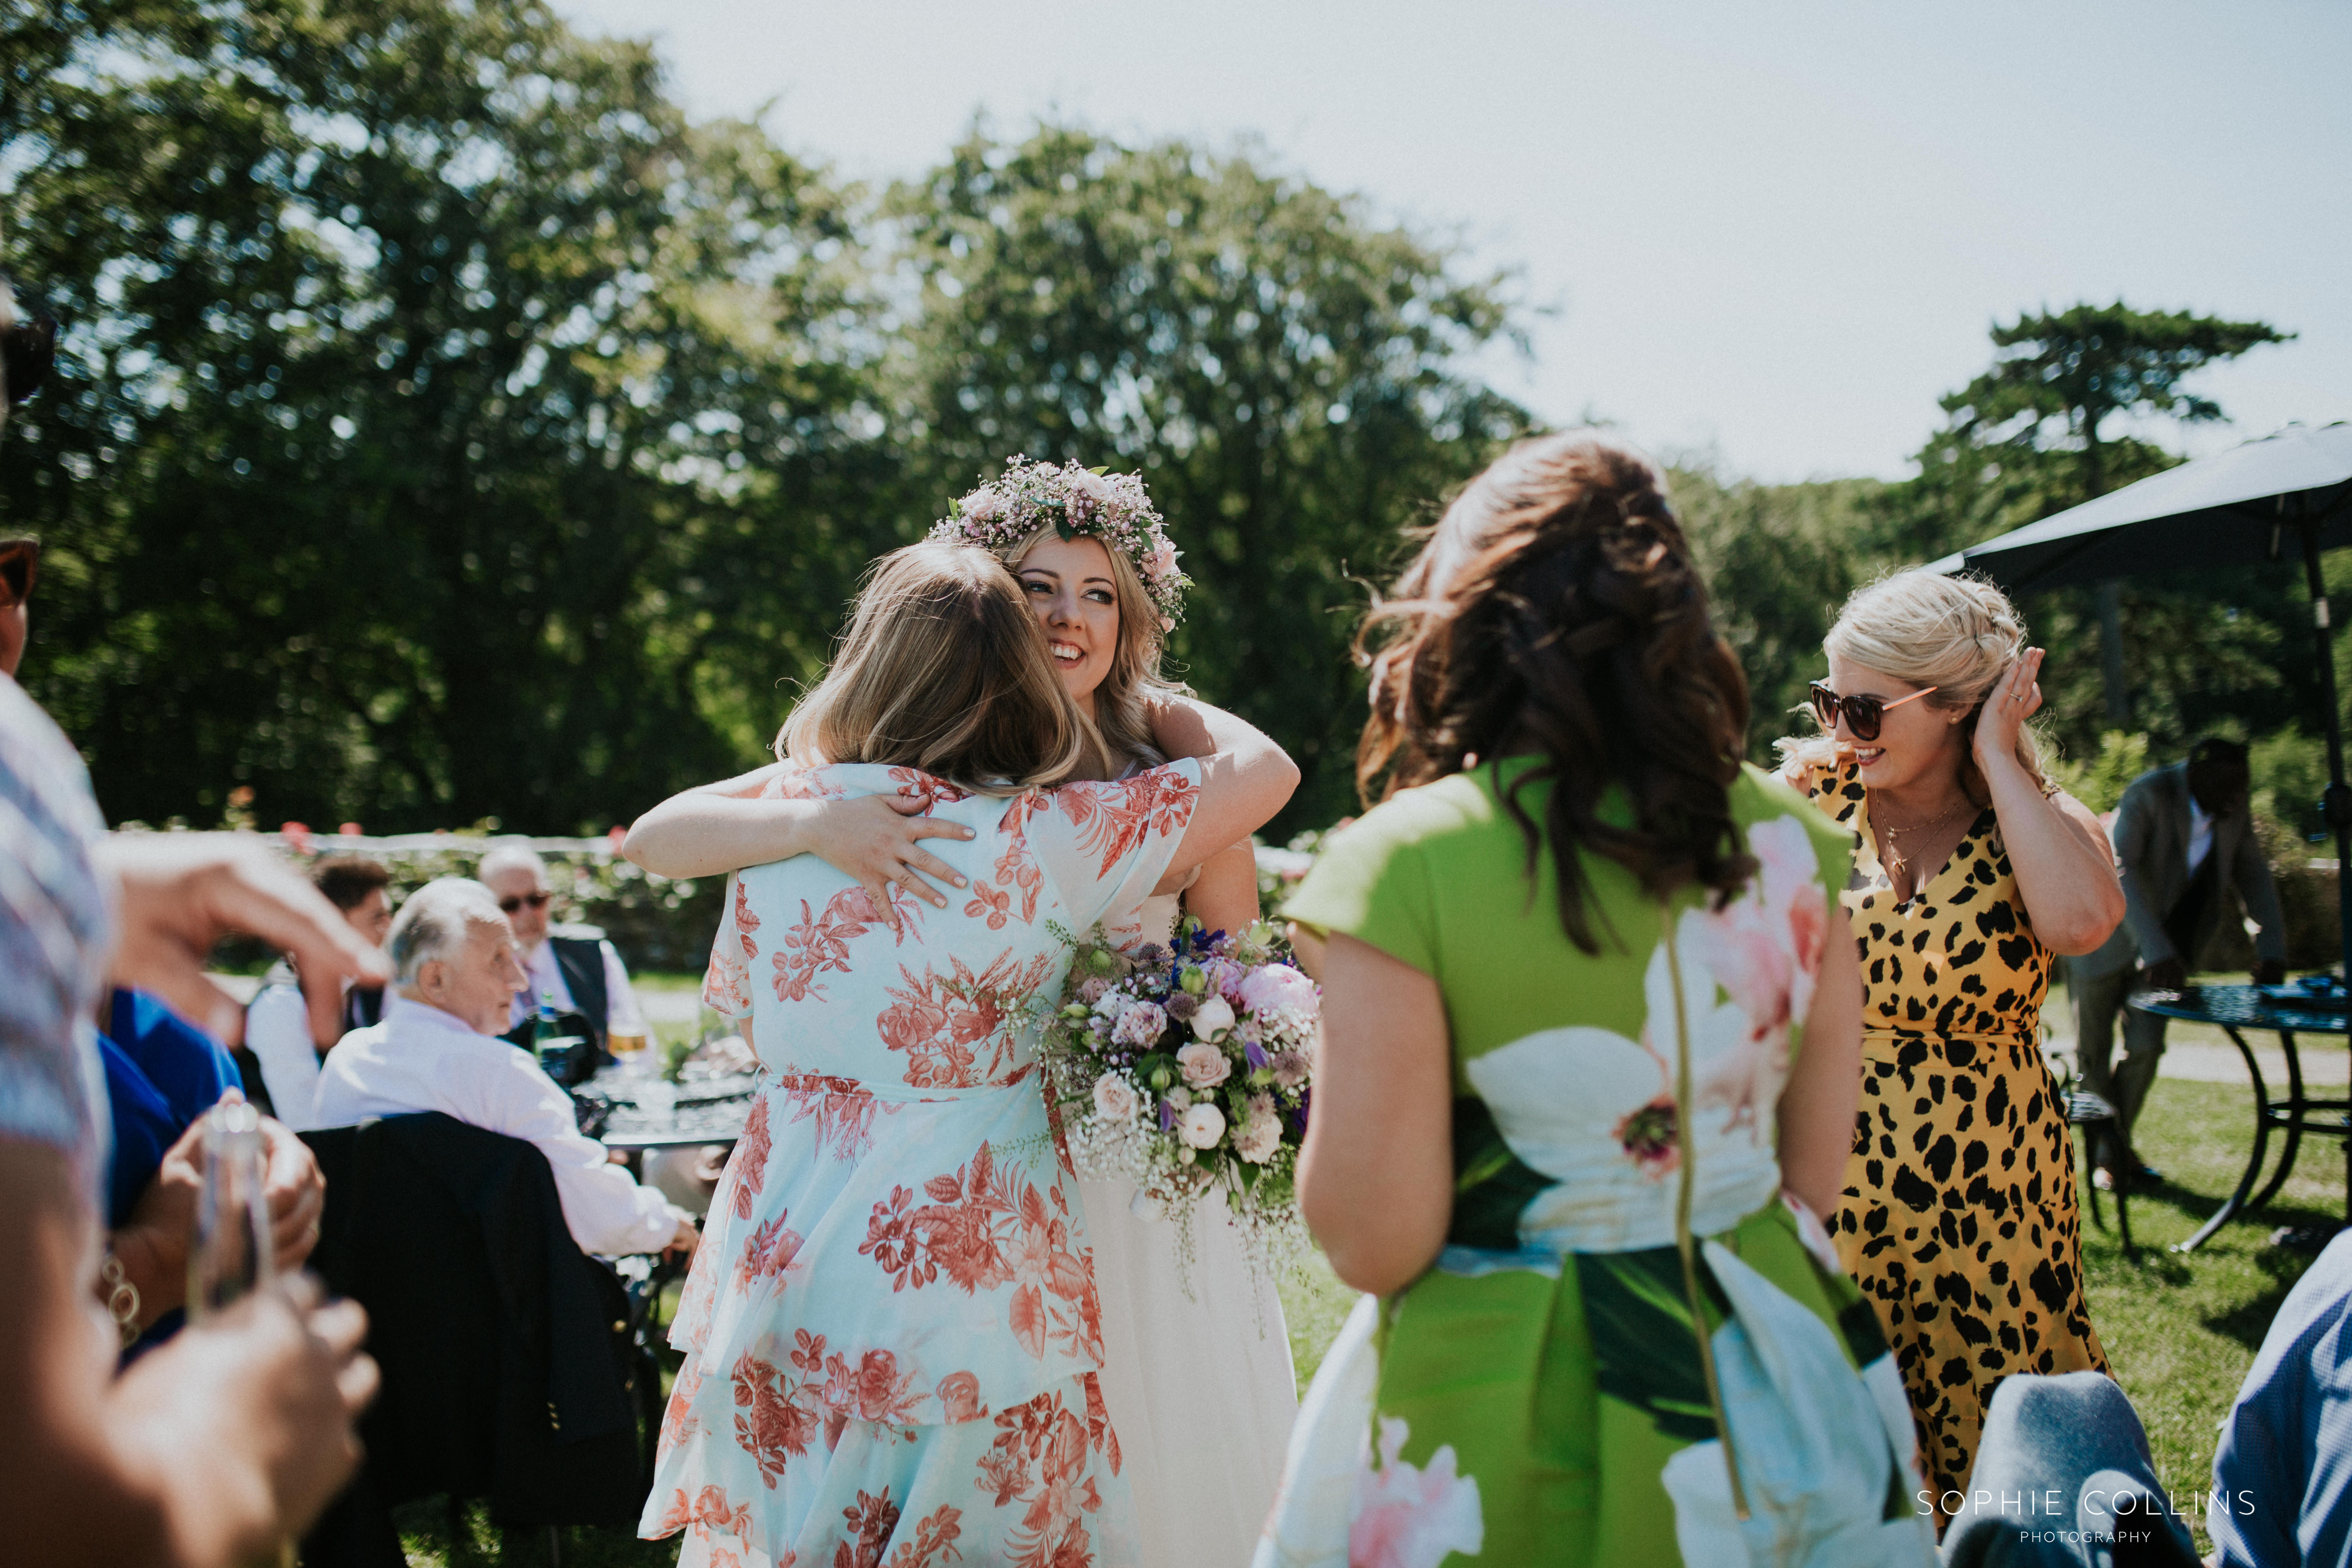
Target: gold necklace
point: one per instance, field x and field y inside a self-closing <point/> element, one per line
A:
<point x="1894" y="859"/>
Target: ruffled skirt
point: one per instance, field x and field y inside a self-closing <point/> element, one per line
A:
<point x="892" y="1338"/>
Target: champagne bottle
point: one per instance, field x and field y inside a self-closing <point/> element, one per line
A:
<point x="230" y="1255"/>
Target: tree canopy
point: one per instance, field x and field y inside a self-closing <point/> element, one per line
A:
<point x="448" y="428"/>
<point x="426" y="373"/>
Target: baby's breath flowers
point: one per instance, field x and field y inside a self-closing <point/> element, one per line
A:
<point x="1077" y="502"/>
<point x="1187" y="1069"/>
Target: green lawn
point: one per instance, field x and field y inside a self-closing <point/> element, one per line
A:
<point x="2179" y="1330"/>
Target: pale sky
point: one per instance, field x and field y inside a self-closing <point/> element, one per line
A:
<point x="1781" y="231"/>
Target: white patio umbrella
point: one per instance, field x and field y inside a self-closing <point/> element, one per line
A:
<point x="2287" y="493"/>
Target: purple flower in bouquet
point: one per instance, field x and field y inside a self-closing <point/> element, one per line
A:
<point x="1290" y="1070"/>
<point x="1183" y="1005"/>
<point x="1140" y="1024"/>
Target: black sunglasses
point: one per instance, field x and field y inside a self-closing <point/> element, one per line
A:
<point x="1863" y="715"/>
<point x="536" y="900"/>
<point x="20" y="561"/>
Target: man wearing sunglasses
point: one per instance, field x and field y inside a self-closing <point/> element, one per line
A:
<point x="576" y="968"/>
<point x="2184" y="836"/>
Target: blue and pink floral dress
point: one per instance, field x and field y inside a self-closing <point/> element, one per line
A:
<point x="891" y="1330"/>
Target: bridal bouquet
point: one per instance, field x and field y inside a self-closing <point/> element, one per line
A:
<point x="1187" y="1067"/>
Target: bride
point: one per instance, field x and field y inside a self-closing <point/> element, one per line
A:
<point x="1198" y="1383"/>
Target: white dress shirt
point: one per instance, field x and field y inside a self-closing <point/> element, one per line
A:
<point x="278" y="1033"/>
<point x="620" y="1001"/>
<point x="421" y="1058"/>
<point x="2200" y="835"/>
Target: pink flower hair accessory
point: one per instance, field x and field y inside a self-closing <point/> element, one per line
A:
<point x="1114" y="509"/>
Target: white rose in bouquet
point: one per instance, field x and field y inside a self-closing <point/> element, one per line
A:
<point x="1261" y="1135"/>
<point x="1204" y="1066"/>
<point x="1200" y="1127"/>
<point x="1116" y="1098"/>
<point x="1211" y="1018"/>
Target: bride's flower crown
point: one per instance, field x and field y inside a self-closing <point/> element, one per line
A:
<point x="1114" y="509"/>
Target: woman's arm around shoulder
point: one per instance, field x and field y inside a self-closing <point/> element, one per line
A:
<point x="874" y="839"/>
<point x="1245" y="777"/>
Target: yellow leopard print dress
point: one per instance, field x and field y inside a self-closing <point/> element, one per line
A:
<point x="1959" y="1220"/>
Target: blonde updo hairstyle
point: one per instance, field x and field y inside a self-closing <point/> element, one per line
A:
<point x="1958" y="633"/>
<point x="1122" y="721"/>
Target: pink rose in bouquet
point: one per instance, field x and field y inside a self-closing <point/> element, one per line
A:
<point x="1203" y="1065"/>
<point x="1276" y="988"/>
<point x="1114" y="1099"/>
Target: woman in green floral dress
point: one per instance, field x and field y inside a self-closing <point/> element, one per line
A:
<point x="1590" y="1065"/>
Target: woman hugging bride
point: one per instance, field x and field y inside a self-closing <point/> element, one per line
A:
<point x="1062" y="783"/>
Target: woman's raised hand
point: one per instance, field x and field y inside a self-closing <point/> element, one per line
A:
<point x="876" y="840"/>
<point x="2014" y="697"/>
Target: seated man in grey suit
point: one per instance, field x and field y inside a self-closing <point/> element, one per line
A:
<point x="2182" y="835"/>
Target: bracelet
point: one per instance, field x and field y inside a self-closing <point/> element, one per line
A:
<point x="122" y="1298"/>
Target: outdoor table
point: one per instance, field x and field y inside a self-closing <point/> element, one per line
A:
<point x="2284" y="1010"/>
<point x="711" y="1108"/>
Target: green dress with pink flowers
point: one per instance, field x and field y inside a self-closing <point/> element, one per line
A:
<point x="1540" y="1394"/>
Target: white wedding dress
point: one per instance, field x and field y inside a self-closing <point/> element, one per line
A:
<point x="1201" y="1389"/>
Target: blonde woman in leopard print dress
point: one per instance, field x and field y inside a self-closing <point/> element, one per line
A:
<point x="1959" y="1218"/>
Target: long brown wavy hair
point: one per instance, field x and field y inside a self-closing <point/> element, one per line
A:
<point x="1554" y="612"/>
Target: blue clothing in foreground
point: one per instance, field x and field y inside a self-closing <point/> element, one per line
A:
<point x="162" y="1073"/>
<point x="2283" y="1474"/>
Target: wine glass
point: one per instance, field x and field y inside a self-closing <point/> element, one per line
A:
<point x="627" y="1044"/>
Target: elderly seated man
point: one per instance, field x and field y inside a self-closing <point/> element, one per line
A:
<point x="571" y="970"/>
<point x="455" y="974"/>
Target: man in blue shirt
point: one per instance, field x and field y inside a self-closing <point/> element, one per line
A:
<point x="2283" y="1474"/>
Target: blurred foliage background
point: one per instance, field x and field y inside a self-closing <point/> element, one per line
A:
<point x="446" y="428"/>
